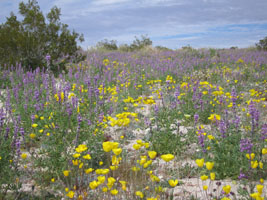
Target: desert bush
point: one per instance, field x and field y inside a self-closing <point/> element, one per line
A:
<point x="137" y="44"/>
<point x="36" y="40"/>
<point x="107" y="45"/>
<point x="262" y="45"/>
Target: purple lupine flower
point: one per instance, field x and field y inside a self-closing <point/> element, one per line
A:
<point x="79" y="119"/>
<point x="201" y="104"/>
<point x="18" y="147"/>
<point x="147" y="121"/>
<point x="96" y="92"/>
<point x="69" y="110"/>
<point x="173" y="105"/>
<point x="156" y="109"/>
<point x="236" y="121"/>
<point x="264" y="132"/>
<point x="2" y="117"/>
<point x="110" y="111"/>
<point x="222" y="128"/>
<point x="246" y="145"/>
<point x="36" y="95"/>
<point x="201" y="139"/>
<point x="22" y="132"/>
<point x="32" y="118"/>
<point x="14" y="142"/>
<point x="37" y="107"/>
<point x="234" y="98"/>
<point x="227" y="123"/>
<point x="100" y="117"/>
<point x="242" y="176"/>
<point x="95" y="80"/>
<point x="70" y="73"/>
<point x="47" y="57"/>
<point x="117" y="89"/>
<point x="7" y="132"/>
<point x="255" y="115"/>
<point x="196" y="117"/>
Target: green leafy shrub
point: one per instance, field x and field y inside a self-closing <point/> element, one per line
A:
<point x="262" y="45"/>
<point x="35" y="43"/>
<point x="107" y="45"/>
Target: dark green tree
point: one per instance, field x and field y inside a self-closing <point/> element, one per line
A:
<point x="140" y="43"/>
<point x="262" y="45"/>
<point x="37" y="41"/>
<point x="107" y="44"/>
<point x="137" y="44"/>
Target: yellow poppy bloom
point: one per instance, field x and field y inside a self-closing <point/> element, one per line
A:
<point x="167" y="157"/>
<point x="173" y="183"/>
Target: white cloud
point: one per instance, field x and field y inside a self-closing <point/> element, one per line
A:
<point x="167" y="22"/>
<point x="108" y="2"/>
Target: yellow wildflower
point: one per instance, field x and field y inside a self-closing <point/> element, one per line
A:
<point x="117" y="151"/>
<point x="212" y="176"/>
<point x="76" y="155"/>
<point x="167" y="157"/>
<point x="34" y="125"/>
<point x="264" y="151"/>
<point x="66" y="172"/>
<point x="227" y="189"/>
<point x="87" y="157"/>
<point x="225" y="198"/>
<point x="254" y="164"/>
<point x="209" y="165"/>
<point x="250" y="156"/>
<point x="200" y="162"/>
<point x="87" y="171"/>
<point x="173" y="183"/>
<point x="70" y="194"/>
<point x="114" y="192"/>
<point x="204" y="177"/>
<point x="152" y="154"/>
<point x="136" y="146"/>
<point x="256" y="196"/>
<point x="93" y="185"/>
<point x="81" y="148"/>
<point x="259" y="188"/>
<point x="139" y="194"/>
<point x="24" y="156"/>
<point x="214" y="117"/>
<point x="101" y="179"/>
<point x="32" y="135"/>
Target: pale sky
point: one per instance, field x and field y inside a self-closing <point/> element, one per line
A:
<point x="170" y="23"/>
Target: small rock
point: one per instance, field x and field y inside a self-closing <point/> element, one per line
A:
<point x="183" y="130"/>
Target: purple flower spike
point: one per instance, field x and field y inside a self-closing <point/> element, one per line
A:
<point x="48" y="57"/>
<point x="246" y="145"/>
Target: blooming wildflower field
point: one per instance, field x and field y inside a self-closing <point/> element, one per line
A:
<point x="130" y="126"/>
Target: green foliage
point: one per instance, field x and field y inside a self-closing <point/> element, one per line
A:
<point x="228" y="158"/>
<point x="107" y="45"/>
<point x="234" y="47"/>
<point x="162" y="48"/>
<point x="30" y="40"/>
<point x="262" y="45"/>
<point x="137" y="44"/>
<point x="4" y="79"/>
<point x="162" y="138"/>
<point x="140" y="43"/>
<point x="8" y="158"/>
